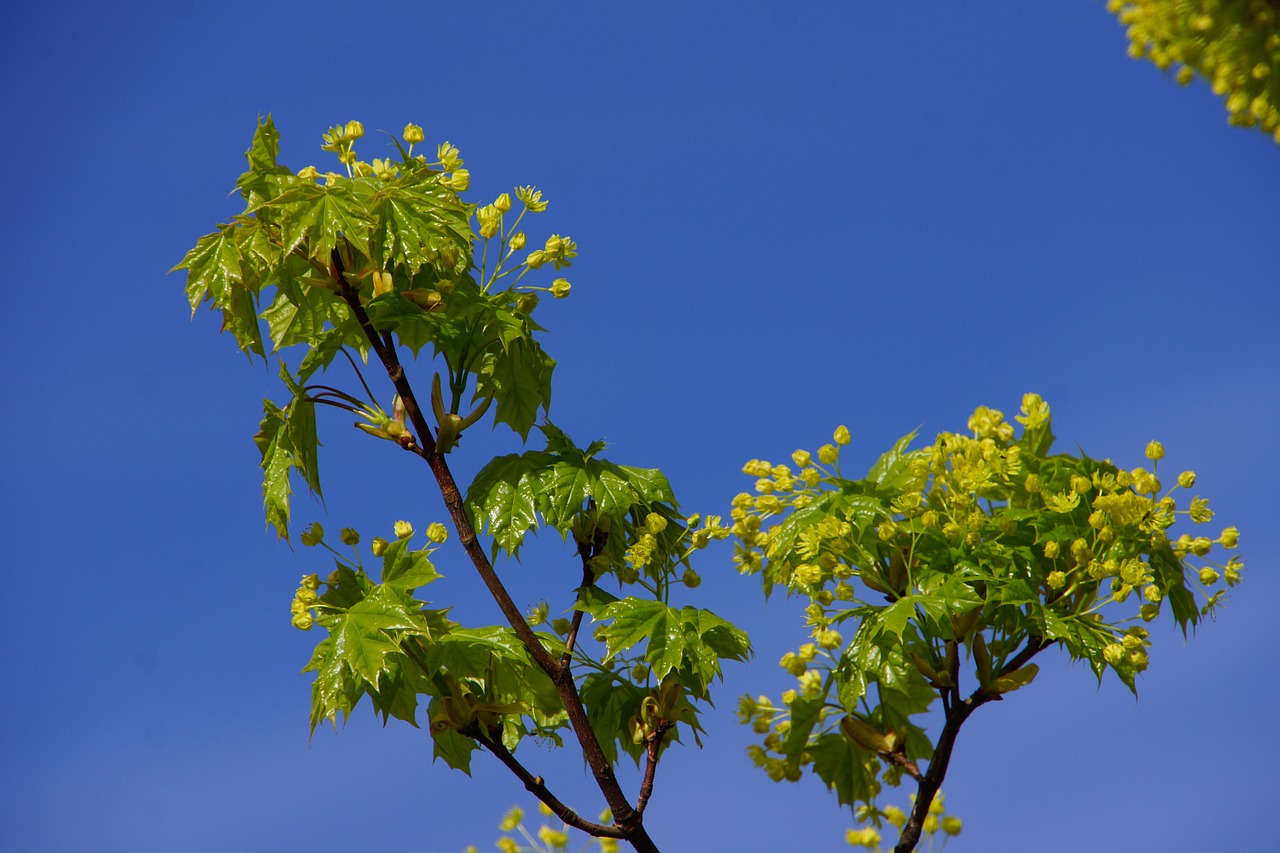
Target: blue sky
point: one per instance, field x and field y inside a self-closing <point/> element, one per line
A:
<point x="789" y="217"/>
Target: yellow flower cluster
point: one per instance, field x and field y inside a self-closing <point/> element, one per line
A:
<point x="1234" y="45"/>
<point x="979" y="497"/>
<point x="304" y="601"/>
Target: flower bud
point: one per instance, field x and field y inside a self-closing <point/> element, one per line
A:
<point x="313" y="535"/>
<point x="502" y="203"/>
<point x="526" y="302"/>
<point x="552" y="837"/>
<point x="490" y="220"/>
<point x="436" y="532"/>
<point x="516" y="241"/>
<point x="1155" y="451"/>
<point x="1208" y="576"/>
<point x="560" y="288"/>
<point x="460" y="181"/>
<point x="378" y="546"/>
<point x="691" y="579"/>
<point x="1187" y="479"/>
<point x="403" y="529"/>
<point x="303" y="621"/>
<point x="412" y="134"/>
<point x="532" y="198"/>
<point x="827" y="454"/>
<point x="841" y="435"/>
<point x="448" y="157"/>
<point x="350" y="536"/>
<point x="1230" y="538"/>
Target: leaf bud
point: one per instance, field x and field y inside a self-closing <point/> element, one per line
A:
<point x="863" y="735"/>
<point x="1016" y="679"/>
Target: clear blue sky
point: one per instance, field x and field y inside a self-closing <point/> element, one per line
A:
<point x="790" y="216"/>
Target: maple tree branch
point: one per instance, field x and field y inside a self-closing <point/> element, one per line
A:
<point x="653" y="747"/>
<point x="624" y="816"/>
<point x="537" y="786"/>
<point x="956" y="716"/>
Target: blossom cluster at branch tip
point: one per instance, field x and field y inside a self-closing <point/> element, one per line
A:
<point x="1235" y="46"/>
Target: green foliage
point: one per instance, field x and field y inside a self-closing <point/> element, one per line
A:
<point x="978" y="548"/>
<point x="321" y="261"/>
<point x="1235" y="45"/>
<point x="388" y="258"/>
<point x="952" y="564"/>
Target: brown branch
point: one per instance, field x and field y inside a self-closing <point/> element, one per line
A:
<point x="587" y="551"/>
<point x="624" y="816"/>
<point x="537" y="786"/>
<point x="653" y="748"/>
<point x="957" y="713"/>
<point x="908" y="766"/>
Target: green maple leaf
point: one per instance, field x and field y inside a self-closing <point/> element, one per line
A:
<point x="412" y="221"/>
<point x="287" y="441"/>
<point x="316" y="217"/>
